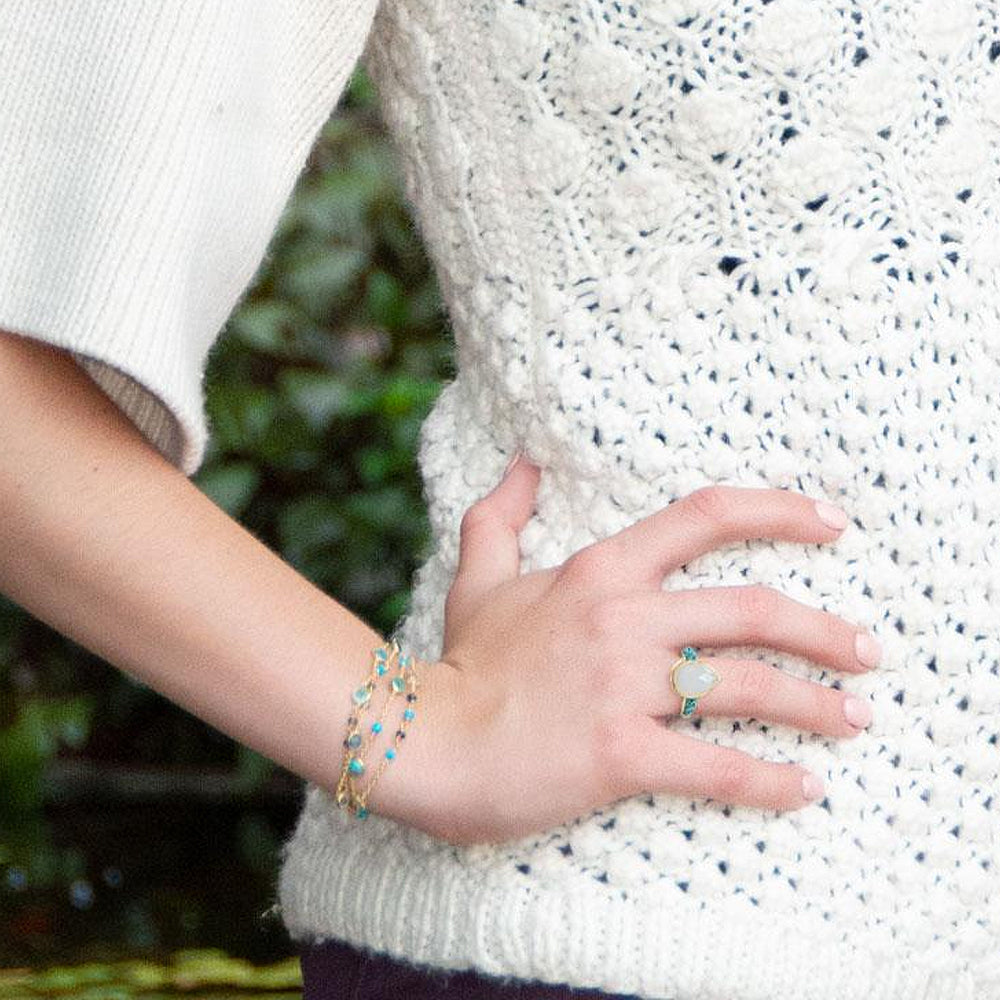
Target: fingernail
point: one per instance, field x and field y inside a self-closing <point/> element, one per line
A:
<point x="812" y="787"/>
<point x="868" y="649"/>
<point x="857" y="712"/>
<point x="512" y="463"/>
<point x="830" y="515"/>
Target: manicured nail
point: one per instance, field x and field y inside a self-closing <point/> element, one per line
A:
<point x="833" y="516"/>
<point x="868" y="649"/>
<point x="857" y="712"/>
<point x="812" y="787"/>
<point x="511" y="463"/>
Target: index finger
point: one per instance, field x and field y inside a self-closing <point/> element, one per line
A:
<point x="705" y="519"/>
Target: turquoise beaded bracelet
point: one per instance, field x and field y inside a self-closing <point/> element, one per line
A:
<point x="403" y="682"/>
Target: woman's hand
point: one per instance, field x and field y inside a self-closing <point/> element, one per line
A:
<point x="549" y="696"/>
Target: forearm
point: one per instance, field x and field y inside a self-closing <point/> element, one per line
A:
<point x="113" y="547"/>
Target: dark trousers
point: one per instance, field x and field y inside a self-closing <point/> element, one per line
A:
<point x="334" y="970"/>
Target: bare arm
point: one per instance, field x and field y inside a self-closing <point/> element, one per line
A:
<point x="104" y="540"/>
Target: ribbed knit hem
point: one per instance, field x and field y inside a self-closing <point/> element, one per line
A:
<point x="374" y="888"/>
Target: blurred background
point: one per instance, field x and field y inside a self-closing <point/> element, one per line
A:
<point x="138" y="846"/>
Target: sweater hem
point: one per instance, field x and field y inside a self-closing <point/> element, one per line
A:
<point x="377" y="889"/>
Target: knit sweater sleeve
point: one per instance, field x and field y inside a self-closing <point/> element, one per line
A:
<point x="147" y="150"/>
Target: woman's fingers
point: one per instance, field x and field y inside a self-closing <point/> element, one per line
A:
<point x="645" y="552"/>
<point x="749" y="615"/>
<point x="754" y="689"/>
<point x="652" y="758"/>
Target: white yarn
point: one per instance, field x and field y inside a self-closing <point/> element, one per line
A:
<point x="729" y="241"/>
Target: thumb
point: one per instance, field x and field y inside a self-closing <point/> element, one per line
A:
<point x="489" y="552"/>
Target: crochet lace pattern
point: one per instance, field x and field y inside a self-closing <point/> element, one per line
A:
<point x="682" y="243"/>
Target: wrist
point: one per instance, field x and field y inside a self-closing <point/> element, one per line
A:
<point x="428" y="777"/>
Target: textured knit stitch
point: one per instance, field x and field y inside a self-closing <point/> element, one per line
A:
<point x="694" y="242"/>
<point x="680" y="243"/>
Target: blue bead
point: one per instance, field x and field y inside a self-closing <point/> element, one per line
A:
<point x="405" y="660"/>
<point x="376" y="727"/>
<point x="381" y="669"/>
<point x="356" y="765"/>
<point x="381" y="652"/>
<point x="361" y="813"/>
<point x="408" y="714"/>
<point x="688" y="652"/>
<point x="390" y="753"/>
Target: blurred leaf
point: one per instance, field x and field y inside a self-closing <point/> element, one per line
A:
<point x="336" y="207"/>
<point x="318" y="396"/>
<point x="239" y="414"/>
<point x="377" y="464"/>
<point x="231" y="485"/>
<point x="309" y="522"/>
<point x="404" y="392"/>
<point x="265" y="325"/>
<point x="381" y="508"/>
<point x="360" y="89"/>
<point x="34" y="738"/>
<point x="320" y="276"/>
<point x="386" y="299"/>
<point x="205" y="969"/>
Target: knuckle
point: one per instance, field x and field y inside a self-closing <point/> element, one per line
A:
<point x="712" y="504"/>
<point x="584" y="565"/>
<point x="475" y="515"/>
<point x="605" y="620"/>
<point x="754" y="603"/>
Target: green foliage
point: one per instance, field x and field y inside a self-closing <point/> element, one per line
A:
<point x="204" y="972"/>
<point x="315" y="392"/>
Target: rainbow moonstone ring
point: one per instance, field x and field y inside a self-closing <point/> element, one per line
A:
<point x="691" y="679"/>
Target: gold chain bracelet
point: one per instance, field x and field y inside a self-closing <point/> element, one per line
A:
<point x="402" y="683"/>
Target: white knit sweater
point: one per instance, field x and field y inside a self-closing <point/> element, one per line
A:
<point x="681" y="242"/>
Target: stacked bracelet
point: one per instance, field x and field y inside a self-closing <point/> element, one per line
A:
<point x="386" y="660"/>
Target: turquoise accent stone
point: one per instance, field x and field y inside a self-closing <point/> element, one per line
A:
<point x="689" y="653"/>
<point x="356" y="765"/>
<point x="376" y="727"/>
<point x="692" y="680"/>
<point x="381" y="652"/>
<point x="361" y="813"/>
<point x="690" y="704"/>
<point x="381" y="669"/>
<point x="354" y="741"/>
<point x="361" y="696"/>
<point x="408" y="714"/>
<point x="399" y="684"/>
<point x="405" y="660"/>
<point x="390" y="753"/>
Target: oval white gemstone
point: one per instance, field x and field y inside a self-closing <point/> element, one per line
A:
<point x="692" y="680"/>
